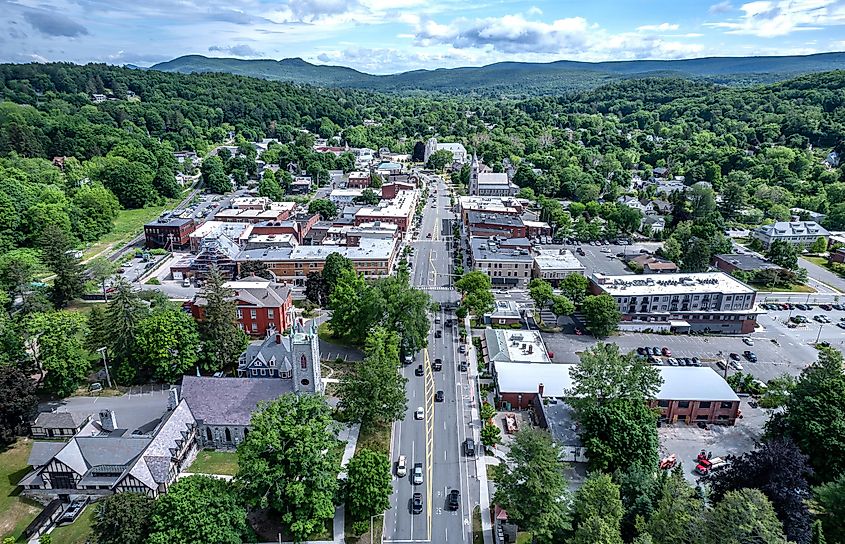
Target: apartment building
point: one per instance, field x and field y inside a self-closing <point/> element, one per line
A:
<point x="797" y="233"/>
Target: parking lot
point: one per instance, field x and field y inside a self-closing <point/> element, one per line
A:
<point x="604" y="258"/>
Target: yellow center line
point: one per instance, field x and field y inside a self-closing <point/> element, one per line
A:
<point x="429" y="435"/>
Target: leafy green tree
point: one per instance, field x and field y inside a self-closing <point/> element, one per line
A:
<point x="59" y="257"/>
<point x="17" y="402"/>
<point x="374" y="392"/>
<point x="326" y="208"/>
<point x="18" y="269"/>
<point x="167" y="343"/>
<point x="199" y="509"/>
<point x="131" y="182"/>
<point x="123" y="312"/>
<point x="532" y="488"/>
<point x="299" y="481"/>
<point x="561" y="305"/>
<point x="368" y="197"/>
<point x="222" y="340"/>
<point x="214" y="175"/>
<point x="94" y="211"/>
<point x="540" y="292"/>
<point x="100" y="269"/>
<point x="778" y="391"/>
<point x="574" y="287"/>
<point x="255" y="268"/>
<point x="810" y="415"/>
<point x="830" y="500"/>
<point x="123" y="518"/>
<point x="490" y="435"/>
<point x="58" y="353"/>
<point x="819" y="246"/>
<point x="602" y="314"/>
<point x="346" y="303"/>
<point x="596" y="530"/>
<point x="269" y="187"/>
<point x="369" y="484"/>
<point x="783" y="254"/>
<point x="476" y="292"/>
<point x="598" y="497"/>
<point x="397" y="306"/>
<point x="439" y="160"/>
<point x="335" y="264"/>
<point x="745" y="515"/>
<point x="676" y="512"/>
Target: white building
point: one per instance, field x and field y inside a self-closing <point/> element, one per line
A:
<point x="553" y="265"/>
<point x="489" y="183"/>
<point x="459" y="152"/>
<point x="797" y="233"/>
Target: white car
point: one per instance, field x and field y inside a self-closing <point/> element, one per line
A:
<point x="748" y="341"/>
<point x="401" y="467"/>
<point x="419" y="413"/>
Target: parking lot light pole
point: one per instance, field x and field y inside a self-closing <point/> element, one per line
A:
<point x="818" y="336"/>
<point x="102" y="351"/>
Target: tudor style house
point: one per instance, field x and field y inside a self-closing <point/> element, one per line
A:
<point x="280" y="365"/>
<point x="102" y="458"/>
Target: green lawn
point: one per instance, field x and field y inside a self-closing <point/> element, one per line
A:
<point x="215" y="462"/>
<point x="797" y="288"/>
<point x="821" y="261"/>
<point x="374" y="437"/>
<point x="325" y="332"/>
<point x="78" y="532"/>
<point x="15" y="513"/>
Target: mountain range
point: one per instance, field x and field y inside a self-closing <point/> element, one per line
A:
<point x="516" y="77"/>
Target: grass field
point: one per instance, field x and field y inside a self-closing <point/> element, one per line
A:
<point x="325" y="332"/>
<point x="374" y="437"/>
<point x="15" y="513"/>
<point x="797" y="288"/>
<point x="128" y="224"/>
<point x="78" y="532"/>
<point x="215" y="462"/>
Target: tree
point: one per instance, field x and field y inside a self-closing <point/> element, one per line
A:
<point x="18" y="269"/>
<point x="606" y="374"/>
<point x="369" y="484"/>
<point x="676" y="512"/>
<point x="597" y="511"/>
<point x="223" y="341"/>
<point x="17" y="402"/>
<point x="439" y="160"/>
<point x="540" y="292"/>
<point x="780" y="471"/>
<point x="745" y="515"/>
<point x="783" y="254"/>
<point x="214" y="175"/>
<point x="123" y="312"/>
<point x="57" y="340"/>
<point x="778" y="391"/>
<point x="198" y="509"/>
<point x="335" y="264"/>
<point x="368" y="197"/>
<point x="299" y="481"/>
<point x="811" y="416"/>
<point x="123" y="518"/>
<point x="819" y="246"/>
<point x="574" y="287"/>
<point x="269" y="187"/>
<point x="59" y="256"/>
<point x="326" y="208"/>
<point x="394" y="304"/>
<point x="346" y="303"/>
<point x="100" y="269"/>
<point x="596" y="530"/>
<point x="476" y="292"/>
<point x="131" y="182"/>
<point x="602" y="314"/>
<point x="314" y="288"/>
<point x="830" y="499"/>
<point x="93" y="212"/>
<point x="561" y="305"/>
<point x="490" y="435"/>
<point x="374" y="392"/>
<point x="532" y="488"/>
<point x="167" y="343"/>
<point x="255" y="268"/>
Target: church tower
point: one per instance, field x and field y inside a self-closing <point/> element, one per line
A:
<point x="473" y="176"/>
<point x="305" y="358"/>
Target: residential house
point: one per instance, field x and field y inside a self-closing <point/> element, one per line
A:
<point x="655" y="222"/>
<point x="263" y="306"/>
<point x="58" y="424"/>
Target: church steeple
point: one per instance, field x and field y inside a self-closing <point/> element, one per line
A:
<point x="473" y="175"/>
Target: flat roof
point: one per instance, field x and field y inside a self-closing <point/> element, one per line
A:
<point x="684" y="283"/>
<point x="679" y="383"/>
<point x="401" y="206"/>
<point x="369" y="249"/>
<point x="232" y="229"/>
<point x="521" y="346"/>
<point x="554" y="259"/>
<point x="489" y="218"/>
<point x="747" y="262"/>
<point x="483" y="249"/>
<point x="170" y="221"/>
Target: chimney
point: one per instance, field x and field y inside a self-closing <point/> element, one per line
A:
<point x="540" y="389"/>
<point x="107" y="420"/>
<point x="278" y="338"/>
<point x="172" y="399"/>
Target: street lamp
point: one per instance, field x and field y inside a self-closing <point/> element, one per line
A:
<point x="102" y="351"/>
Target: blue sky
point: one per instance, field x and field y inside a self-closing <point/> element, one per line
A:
<point x="386" y="36"/>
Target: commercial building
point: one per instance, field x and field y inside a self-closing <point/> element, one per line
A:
<point x="711" y="302"/>
<point x="797" y="233"/>
<point x="553" y="265"/>
<point x="399" y="211"/>
<point x="505" y="312"/>
<point x="263" y="306"/>
<point x="729" y="262"/>
<point x="279" y="211"/>
<point x="506" y="266"/>
<point x="488" y="204"/>
<point x="237" y="232"/>
<point x="358" y="180"/>
<point x="169" y="231"/>
<point x="343" y="197"/>
<point x="490" y="224"/>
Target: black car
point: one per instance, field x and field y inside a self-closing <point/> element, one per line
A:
<point x="419" y="370"/>
<point x="454" y="500"/>
<point x="416" y="503"/>
<point x="438" y="333"/>
<point x="437" y="365"/>
<point x="438" y="396"/>
<point x="655" y="350"/>
<point x="642" y="351"/>
<point x="463" y="366"/>
<point x="751" y="356"/>
<point x="734" y="357"/>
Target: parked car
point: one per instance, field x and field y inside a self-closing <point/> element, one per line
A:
<point x="748" y="341"/>
<point x="417" y="503"/>
<point x="734" y="356"/>
<point x="841" y="324"/>
<point x="826" y="307"/>
<point x="655" y="350"/>
<point x="462" y="366"/>
<point x="666" y="352"/>
<point x="696" y="361"/>
<point x="750" y="355"/>
<point x="454" y="500"/>
<point x="418" y="474"/>
<point x="462" y="348"/>
<point x="401" y="467"/>
<point x="469" y="447"/>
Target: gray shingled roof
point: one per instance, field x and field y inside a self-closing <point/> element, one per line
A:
<point x="59" y="420"/>
<point x="43" y="451"/>
<point x="229" y="401"/>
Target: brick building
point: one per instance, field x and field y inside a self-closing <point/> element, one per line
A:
<point x="263" y="306"/>
<point x="170" y="232"/>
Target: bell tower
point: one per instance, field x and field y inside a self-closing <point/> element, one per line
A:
<point x="305" y="358"/>
<point x="473" y="176"/>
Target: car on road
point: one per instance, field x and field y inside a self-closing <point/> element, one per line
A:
<point x="748" y="341"/>
<point x="401" y="467"/>
<point x="462" y="366"/>
<point x="469" y="447"/>
<point x="419" y="370"/>
<point x="439" y="396"/>
<point x="750" y="355"/>
<point x="419" y="413"/>
<point x="462" y="348"/>
<point x="437" y="365"/>
<point x="416" y="503"/>
<point x="454" y="500"/>
<point x="186" y="282"/>
<point x="798" y="319"/>
<point x="418" y="474"/>
<point x="438" y="333"/>
<point x="437" y="319"/>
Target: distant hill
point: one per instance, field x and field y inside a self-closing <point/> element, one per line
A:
<point x="517" y="77"/>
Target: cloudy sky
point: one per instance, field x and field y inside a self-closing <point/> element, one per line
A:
<point x="385" y="36"/>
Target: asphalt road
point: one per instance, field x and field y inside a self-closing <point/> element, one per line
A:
<point x="436" y="441"/>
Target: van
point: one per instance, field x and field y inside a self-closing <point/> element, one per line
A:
<point x="469" y="447"/>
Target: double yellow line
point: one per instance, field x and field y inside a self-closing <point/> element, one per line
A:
<point x="428" y="376"/>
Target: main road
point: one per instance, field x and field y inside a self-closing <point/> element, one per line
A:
<point x="437" y="440"/>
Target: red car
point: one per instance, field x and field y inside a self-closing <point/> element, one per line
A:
<point x="666" y="352"/>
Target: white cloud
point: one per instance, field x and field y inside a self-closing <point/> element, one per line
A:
<point x="534" y="10"/>
<point x="662" y="27"/>
<point x="769" y="19"/>
<point x="721" y="7"/>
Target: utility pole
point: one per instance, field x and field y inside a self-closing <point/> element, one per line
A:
<point x="102" y="351"/>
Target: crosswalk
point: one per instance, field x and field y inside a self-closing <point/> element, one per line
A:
<point x="430" y="288"/>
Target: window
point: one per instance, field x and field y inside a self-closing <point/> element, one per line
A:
<point x="701" y="417"/>
<point x="683" y="404"/>
<point x="208" y="434"/>
<point x="228" y="435"/>
<point x="704" y="404"/>
<point x="663" y="403"/>
<point x="253" y="314"/>
<point x="303" y="362"/>
<point x="263" y="372"/>
<point x="254" y="327"/>
<point x="727" y="405"/>
<point x="240" y="314"/>
<point x="271" y="314"/>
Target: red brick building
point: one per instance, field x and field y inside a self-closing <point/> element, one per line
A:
<point x="358" y="180"/>
<point x="491" y="224"/>
<point x="169" y="232"/>
<point x="390" y="190"/>
<point x="263" y="305"/>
